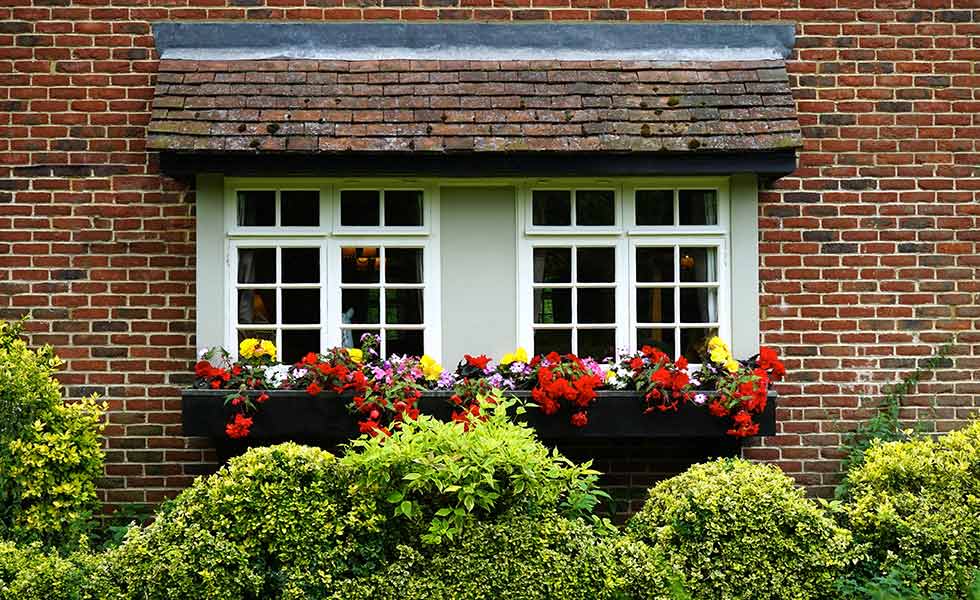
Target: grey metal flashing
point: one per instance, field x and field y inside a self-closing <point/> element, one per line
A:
<point x="474" y="41"/>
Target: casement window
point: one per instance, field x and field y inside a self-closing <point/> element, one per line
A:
<point x="317" y="266"/>
<point x="616" y="267"/>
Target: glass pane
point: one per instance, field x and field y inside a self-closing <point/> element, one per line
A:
<point x="301" y="307"/>
<point x="552" y="265"/>
<point x="698" y="207"/>
<point x="552" y="340"/>
<point x="403" y="208"/>
<point x="662" y="339"/>
<point x="698" y="264"/>
<point x="256" y="307"/>
<point x="296" y="344"/>
<point x="551" y="207"/>
<point x="597" y="343"/>
<point x="351" y="338"/>
<point x="360" y="306"/>
<point x="256" y="265"/>
<point x="595" y="207"/>
<point x="360" y="265"/>
<point x="654" y="207"/>
<point x="300" y="265"/>
<point x="360" y="208"/>
<point x="402" y="342"/>
<point x="300" y="208"/>
<point x="403" y="306"/>
<point x="655" y="305"/>
<point x="655" y="265"/>
<point x="694" y="341"/>
<point x="403" y="265"/>
<point x="597" y="305"/>
<point x="553" y="305"/>
<point x="698" y="305"/>
<point x="258" y="334"/>
<point x="257" y="208"/>
<point x="596" y="265"/>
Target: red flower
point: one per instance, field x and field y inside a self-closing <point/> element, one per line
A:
<point x="202" y="369"/>
<point x="313" y="389"/>
<point x="262" y="398"/>
<point x="480" y="362"/>
<point x="580" y="419"/>
<point x="239" y="427"/>
<point x="681" y="363"/>
<point x="637" y="363"/>
<point x="553" y="358"/>
<point x="743" y="425"/>
<point x="769" y="361"/>
<point x="309" y="359"/>
<point x="717" y="409"/>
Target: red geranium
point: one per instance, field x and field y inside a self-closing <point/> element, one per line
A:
<point x="239" y="427"/>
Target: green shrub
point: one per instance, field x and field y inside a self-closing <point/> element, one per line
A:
<point x="436" y="476"/>
<point x="915" y="506"/>
<point x="265" y="526"/>
<point x="50" y="452"/>
<point x="27" y="573"/>
<point x="741" y="530"/>
<point x="540" y="558"/>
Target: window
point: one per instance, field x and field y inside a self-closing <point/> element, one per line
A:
<point x="320" y="266"/>
<point x="604" y="268"/>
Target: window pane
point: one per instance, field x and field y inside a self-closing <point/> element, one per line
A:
<point x="403" y="306"/>
<point x="403" y="265"/>
<point x="553" y="305"/>
<point x="551" y="207"/>
<point x="698" y="305"/>
<point x="698" y="264"/>
<point x="402" y="342"/>
<point x="597" y="305"/>
<point x="595" y="207"/>
<point x="694" y="341"/>
<point x="552" y="265"/>
<point x="360" y="306"/>
<point x="301" y="307"/>
<point x="655" y="265"/>
<point x="655" y="305"/>
<point x="256" y="307"/>
<point x="351" y="338"/>
<point x="300" y="208"/>
<point x="256" y="265"/>
<point x="597" y="343"/>
<point x="596" y="265"/>
<point x="403" y="208"/>
<point x="300" y="265"/>
<point x="662" y="339"/>
<point x="551" y="340"/>
<point x="654" y="207"/>
<point x="297" y="343"/>
<point x="360" y="208"/>
<point x="257" y="208"/>
<point x="360" y="265"/>
<point x="698" y="207"/>
<point x="258" y="334"/>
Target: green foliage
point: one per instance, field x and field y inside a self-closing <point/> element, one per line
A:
<point x="27" y="573"/>
<point x="436" y="476"/>
<point x="885" y="425"/>
<point x="739" y="530"/>
<point x="50" y="452"/>
<point x="915" y="506"/>
<point x="271" y="524"/>
<point x="531" y="558"/>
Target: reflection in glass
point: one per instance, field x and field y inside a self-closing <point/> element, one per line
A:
<point x="300" y="265"/>
<point x="360" y="265"/>
<point x="655" y="305"/>
<point x="655" y="265"/>
<point x="553" y="305"/>
<point x="300" y="307"/>
<point x="662" y="339"/>
<point x="259" y="334"/>
<point x="256" y="265"/>
<point x="596" y="265"/>
<point x="360" y="208"/>
<point x="597" y="343"/>
<point x="654" y="207"/>
<point x="297" y="343"/>
<point x="403" y="265"/>
<point x="300" y="208"/>
<point x="552" y="340"/>
<point x="698" y="264"/>
<point x="256" y="307"/>
<point x="596" y="305"/>
<point x="360" y="306"/>
<point x="551" y="207"/>
<point x="552" y="265"/>
<point x="698" y="207"/>
<point x="698" y="305"/>
<point x="403" y="306"/>
<point x="595" y="207"/>
<point x="257" y="208"/>
<point x="404" y="341"/>
<point x="403" y="208"/>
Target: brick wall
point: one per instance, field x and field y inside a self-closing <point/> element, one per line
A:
<point x="868" y="251"/>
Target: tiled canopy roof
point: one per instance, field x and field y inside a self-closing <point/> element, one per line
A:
<point x="312" y="106"/>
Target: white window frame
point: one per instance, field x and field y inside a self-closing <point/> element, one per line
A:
<point x="626" y="236"/>
<point x="330" y="237"/>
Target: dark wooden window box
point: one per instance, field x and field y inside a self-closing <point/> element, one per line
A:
<point x="325" y="420"/>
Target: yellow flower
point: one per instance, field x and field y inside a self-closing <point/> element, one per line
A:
<point x="731" y="365"/>
<point x="247" y="348"/>
<point x="519" y="355"/>
<point x="268" y="349"/>
<point x="430" y="368"/>
<point x="355" y="354"/>
<point x="716" y="342"/>
<point x="720" y="355"/>
<point x="253" y="348"/>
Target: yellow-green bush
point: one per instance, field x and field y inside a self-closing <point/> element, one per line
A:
<point x="915" y="506"/>
<point x="28" y="573"/>
<point x="50" y="452"/>
<point x="739" y="530"/>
